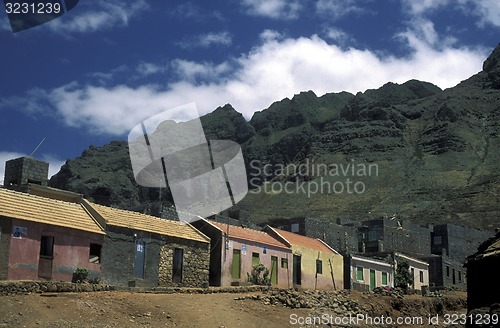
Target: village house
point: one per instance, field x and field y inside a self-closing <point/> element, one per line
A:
<point x="315" y="264"/>
<point x="419" y="270"/>
<point x="483" y="287"/>
<point x="450" y="245"/>
<point x="46" y="239"/>
<point x="235" y="251"/>
<point x="143" y="250"/>
<point x="48" y="233"/>
<point x="365" y="274"/>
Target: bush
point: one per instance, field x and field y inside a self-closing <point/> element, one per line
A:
<point x="80" y="275"/>
<point x="255" y="276"/>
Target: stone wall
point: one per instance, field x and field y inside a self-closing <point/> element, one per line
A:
<point x="195" y="262"/>
<point x="26" y="287"/>
<point x="118" y="256"/>
<point x="341" y="238"/>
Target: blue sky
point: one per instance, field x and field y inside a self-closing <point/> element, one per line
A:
<point x="89" y="76"/>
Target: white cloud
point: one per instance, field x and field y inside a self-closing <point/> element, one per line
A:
<point x="276" y="9"/>
<point x="487" y="10"/>
<point x="208" y="39"/>
<point x="270" y="35"/>
<point x="193" y="71"/>
<point x="337" y="8"/>
<point x="275" y="69"/>
<point x="98" y="15"/>
<point x="424" y="30"/>
<point x="418" y="7"/>
<point x="145" y="69"/>
<point x="54" y="163"/>
<point x="339" y="36"/>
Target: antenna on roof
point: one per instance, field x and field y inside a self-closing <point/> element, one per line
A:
<point x="36" y="148"/>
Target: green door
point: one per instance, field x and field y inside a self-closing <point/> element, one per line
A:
<point x="274" y="270"/>
<point x="236" y="269"/>
<point x="372" y="279"/>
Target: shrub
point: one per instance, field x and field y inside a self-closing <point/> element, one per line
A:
<point x="80" y="275"/>
<point x="256" y="278"/>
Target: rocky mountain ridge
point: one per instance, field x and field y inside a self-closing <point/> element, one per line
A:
<point x="436" y="153"/>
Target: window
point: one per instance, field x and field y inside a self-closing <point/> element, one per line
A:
<point x="421" y="276"/>
<point x="47" y="246"/>
<point x="319" y="267"/>
<point x="295" y="227"/>
<point x="372" y="235"/>
<point x="359" y="274"/>
<point x="437" y="240"/>
<point x="447" y="271"/>
<point x="284" y="263"/>
<point x="255" y="259"/>
<point x="95" y="253"/>
<point x="384" y="278"/>
<point x="460" y="276"/>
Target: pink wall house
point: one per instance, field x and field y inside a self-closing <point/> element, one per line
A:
<point x="235" y="250"/>
<point x="46" y="239"/>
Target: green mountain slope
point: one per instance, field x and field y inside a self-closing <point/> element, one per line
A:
<point x="426" y="154"/>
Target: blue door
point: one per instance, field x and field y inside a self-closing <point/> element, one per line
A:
<point x="140" y="251"/>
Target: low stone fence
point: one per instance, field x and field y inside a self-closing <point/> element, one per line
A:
<point x="26" y="287"/>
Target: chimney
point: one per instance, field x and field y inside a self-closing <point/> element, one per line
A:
<point x="21" y="171"/>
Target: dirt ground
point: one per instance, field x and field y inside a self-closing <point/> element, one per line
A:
<point x="127" y="309"/>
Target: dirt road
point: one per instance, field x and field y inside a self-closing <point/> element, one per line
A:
<point x="126" y="309"/>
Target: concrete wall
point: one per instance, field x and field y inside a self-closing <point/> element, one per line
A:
<point x="458" y="242"/>
<point x="22" y="170"/>
<point x="71" y="250"/>
<point x="284" y="275"/>
<point x="308" y="269"/>
<point x="367" y="265"/>
<point x="118" y="256"/>
<point x="446" y="273"/>
<point x="195" y="262"/>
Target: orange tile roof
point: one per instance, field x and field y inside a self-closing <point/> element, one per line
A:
<point x="139" y="221"/>
<point x="303" y="241"/>
<point x="249" y="234"/>
<point x="39" y="209"/>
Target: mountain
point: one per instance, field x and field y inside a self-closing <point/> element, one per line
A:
<point x="411" y="149"/>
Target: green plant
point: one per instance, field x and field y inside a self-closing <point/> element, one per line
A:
<point x="255" y="276"/>
<point x="80" y="275"/>
<point x="403" y="277"/>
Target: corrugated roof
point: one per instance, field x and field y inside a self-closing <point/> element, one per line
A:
<point x="249" y="234"/>
<point x="139" y="221"/>
<point x="33" y="208"/>
<point x="303" y="241"/>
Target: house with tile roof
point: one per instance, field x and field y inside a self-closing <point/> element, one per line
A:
<point x="46" y="239"/>
<point x="46" y="233"/>
<point x="236" y="250"/>
<point x="143" y="250"/>
<point x="364" y="274"/>
<point x="315" y="264"/>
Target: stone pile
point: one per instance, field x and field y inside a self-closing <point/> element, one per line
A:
<point x="393" y="292"/>
<point x="26" y="287"/>
<point x="337" y="301"/>
<point x="436" y="293"/>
